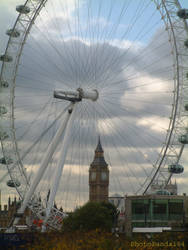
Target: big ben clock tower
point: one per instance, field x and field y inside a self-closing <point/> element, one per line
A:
<point x="98" y="176"/>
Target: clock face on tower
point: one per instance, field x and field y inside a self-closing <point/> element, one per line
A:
<point x="93" y="176"/>
<point x="103" y="176"/>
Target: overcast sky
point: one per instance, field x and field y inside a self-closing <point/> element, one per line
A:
<point x="132" y="115"/>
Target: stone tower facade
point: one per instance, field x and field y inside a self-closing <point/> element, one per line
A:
<point x="98" y="176"/>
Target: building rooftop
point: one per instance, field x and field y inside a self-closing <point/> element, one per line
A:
<point x="155" y="196"/>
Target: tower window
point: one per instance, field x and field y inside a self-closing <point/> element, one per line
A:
<point x="93" y="176"/>
<point x="103" y="176"/>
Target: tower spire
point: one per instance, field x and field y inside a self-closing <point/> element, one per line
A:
<point x="99" y="146"/>
<point x="99" y="160"/>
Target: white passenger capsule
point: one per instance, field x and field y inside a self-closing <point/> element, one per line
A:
<point x="4" y="84"/>
<point x="162" y="192"/>
<point x="183" y="13"/>
<point x="186" y="43"/>
<point x="175" y="168"/>
<point x="183" y="139"/>
<point x="6" y="58"/>
<point x="13" y="33"/>
<point x="3" y="135"/>
<point x="14" y="183"/>
<point x="186" y="106"/>
<point x="6" y="160"/>
<point x="3" y="110"/>
<point x="23" y="9"/>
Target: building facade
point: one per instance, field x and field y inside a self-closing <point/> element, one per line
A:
<point x="155" y="211"/>
<point x="98" y="176"/>
<point x="7" y="213"/>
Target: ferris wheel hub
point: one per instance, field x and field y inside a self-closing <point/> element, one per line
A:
<point x="76" y="96"/>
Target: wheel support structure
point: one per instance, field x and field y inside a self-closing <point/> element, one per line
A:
<point x="66" y="126"/>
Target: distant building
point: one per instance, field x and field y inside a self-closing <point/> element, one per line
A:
<point x="98" y="176"/>
<point x="8" y="212"/>
<point x="155" y="211"/>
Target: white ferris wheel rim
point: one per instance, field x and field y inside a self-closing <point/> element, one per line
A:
<point x="167" y="12"/>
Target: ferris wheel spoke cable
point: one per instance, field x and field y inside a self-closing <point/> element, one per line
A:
<point x="32" y="79"/>
<point x="45" y="106"/>
<point x="36" y="119"/>
<point x="108" y="38"/>
<point x="118" y="58"/>
<point x="153" y="63"/>
<point x="60" y="70"/>
<point x="82" y="67"/>
<point x="127" y="110"/>
<point x="133" y="146"/>
<point x="40" y="51"/>
<point x="106" y="89"/>
<point x="135" y="59"/>
<point x="88" y="34"/>
<point x="137" y="115"/>
<point x="143" y="92"/>
<point x="40" y="147"/>
<point x="77" y="35"/>
<point x="86" y="135"/>
<point x="30" y="96"/>
<point x="43" y="133"/>
<point x="142" y="101"/>
<point x="31" y="106"/>
<point x="118" y="134"/>
<point x="79" y="159"/>
<point x="137" y="15"/>
<point x="141" y="85"/>
<point x="48" y="76"/>
<point x="122" y="163"/>
<point x="97" y="69"/>
<point x="113" y="176"/>
<point x="114" y="28"/>
<point x="95" y="53"/>
<point x="48" y="59"/>
<point x="72" y="159"/>
<point x="49" y="37"/>
<point x="19" y="85"/>
<point x="81" y="70"/>
<point x="143" y="68"/>
<point x="166" y="69"/>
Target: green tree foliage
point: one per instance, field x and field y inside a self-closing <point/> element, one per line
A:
<point x="112" y="210"/>
<point x="91" y="216"/>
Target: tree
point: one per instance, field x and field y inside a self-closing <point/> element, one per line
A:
<point x="113" y="211"/>
<point x="91" y="216"/>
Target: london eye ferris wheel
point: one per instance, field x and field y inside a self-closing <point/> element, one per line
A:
<point x="76" y="69"/>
